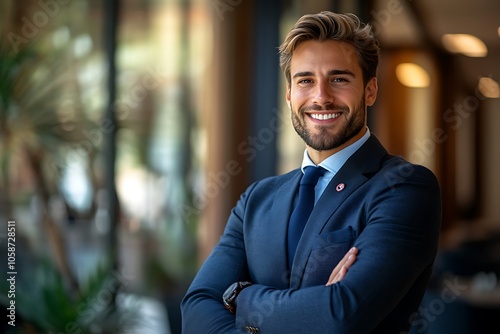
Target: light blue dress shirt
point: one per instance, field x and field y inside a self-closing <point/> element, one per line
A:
<point x="333" y="163"/>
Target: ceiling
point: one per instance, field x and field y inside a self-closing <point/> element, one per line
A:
<point x="410" y="23"/>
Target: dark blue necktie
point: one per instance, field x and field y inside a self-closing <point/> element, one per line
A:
<point x="303" y="209"/>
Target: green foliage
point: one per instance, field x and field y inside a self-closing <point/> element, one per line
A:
<point x="44" y="305"/>
<point x="41" y="112"/>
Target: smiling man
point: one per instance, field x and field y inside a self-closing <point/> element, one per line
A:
<point x="344" y="244"/>
<point x="327" y="92"/>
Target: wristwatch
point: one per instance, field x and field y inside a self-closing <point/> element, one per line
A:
<point x="229" y="297"/>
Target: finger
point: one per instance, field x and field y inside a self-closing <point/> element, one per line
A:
<point x="340" y="275"/>
<point x="340" y="270"/>
<point x="335" y="271"/>
<point x="339" y="266"/>
<point x="350" y="260"/>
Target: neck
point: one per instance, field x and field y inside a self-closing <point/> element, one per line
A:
<point x="318" y="156"/>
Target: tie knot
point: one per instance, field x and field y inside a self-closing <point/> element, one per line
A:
<point x="311" y="175"/>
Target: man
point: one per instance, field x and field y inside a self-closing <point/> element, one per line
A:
<point x="363" y="260"/>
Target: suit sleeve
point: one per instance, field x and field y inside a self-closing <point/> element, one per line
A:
<point x="202" y="308"/>
<point x="396" y="252"/>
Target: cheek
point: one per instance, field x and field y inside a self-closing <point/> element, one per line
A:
<point x="298" y="96"/>
<point x="350" y="97"/>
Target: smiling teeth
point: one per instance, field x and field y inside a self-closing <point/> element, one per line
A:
<point x="324" y="116"/>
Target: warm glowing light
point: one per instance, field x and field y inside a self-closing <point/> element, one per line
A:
<point x="465" y="44"/>
<point x="498" y="31"/>
<point x="489" y="88"/>
<point x="412" y="75"/>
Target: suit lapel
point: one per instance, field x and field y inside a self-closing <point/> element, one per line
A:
<point x="356" y="171"/>
<point x="280" y="215"/>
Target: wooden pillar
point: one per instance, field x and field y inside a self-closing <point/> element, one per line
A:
<point x="226" y="118"/>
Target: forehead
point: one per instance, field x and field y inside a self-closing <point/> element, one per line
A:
<point x="328" y="55"/>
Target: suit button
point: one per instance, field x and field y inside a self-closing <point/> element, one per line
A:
<point x="252" y="330"/>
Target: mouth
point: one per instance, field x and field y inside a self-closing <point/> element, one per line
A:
<point x="324" y="116"/>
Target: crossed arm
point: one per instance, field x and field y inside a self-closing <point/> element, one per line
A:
<point x="224" y="322"/>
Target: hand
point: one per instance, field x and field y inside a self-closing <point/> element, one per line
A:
<point x="341" y="269"/>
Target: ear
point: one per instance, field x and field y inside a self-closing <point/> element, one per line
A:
<point x="288" y="96"/>
<point x="371" y="90"/>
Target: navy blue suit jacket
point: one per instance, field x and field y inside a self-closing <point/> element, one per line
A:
<point x="389" y="209"/>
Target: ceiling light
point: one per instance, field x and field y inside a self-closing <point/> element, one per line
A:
<point x="489" y="87"/>
<point x="465" y="44"/>
<point x="412" y="75"/>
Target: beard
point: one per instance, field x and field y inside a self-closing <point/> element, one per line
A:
<point x="325" y="139"/>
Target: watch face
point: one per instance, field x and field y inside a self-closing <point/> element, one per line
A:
<point x="230" y="293"/>
<point x="229" y="296"/>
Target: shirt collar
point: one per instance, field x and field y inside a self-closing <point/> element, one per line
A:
<point x="334" y="162"/>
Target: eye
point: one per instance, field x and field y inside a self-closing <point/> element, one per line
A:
<point x="339" y="80"/>
<point x="304" y="81"/>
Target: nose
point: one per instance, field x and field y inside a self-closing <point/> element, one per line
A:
<point x="323" y="93"/>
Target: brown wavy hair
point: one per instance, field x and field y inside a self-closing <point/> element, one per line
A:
<point x="333" y="26"/>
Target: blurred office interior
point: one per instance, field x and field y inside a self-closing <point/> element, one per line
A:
<point x="129" y="128"/>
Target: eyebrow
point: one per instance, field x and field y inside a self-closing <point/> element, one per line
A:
<point x="331" y="72"/>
